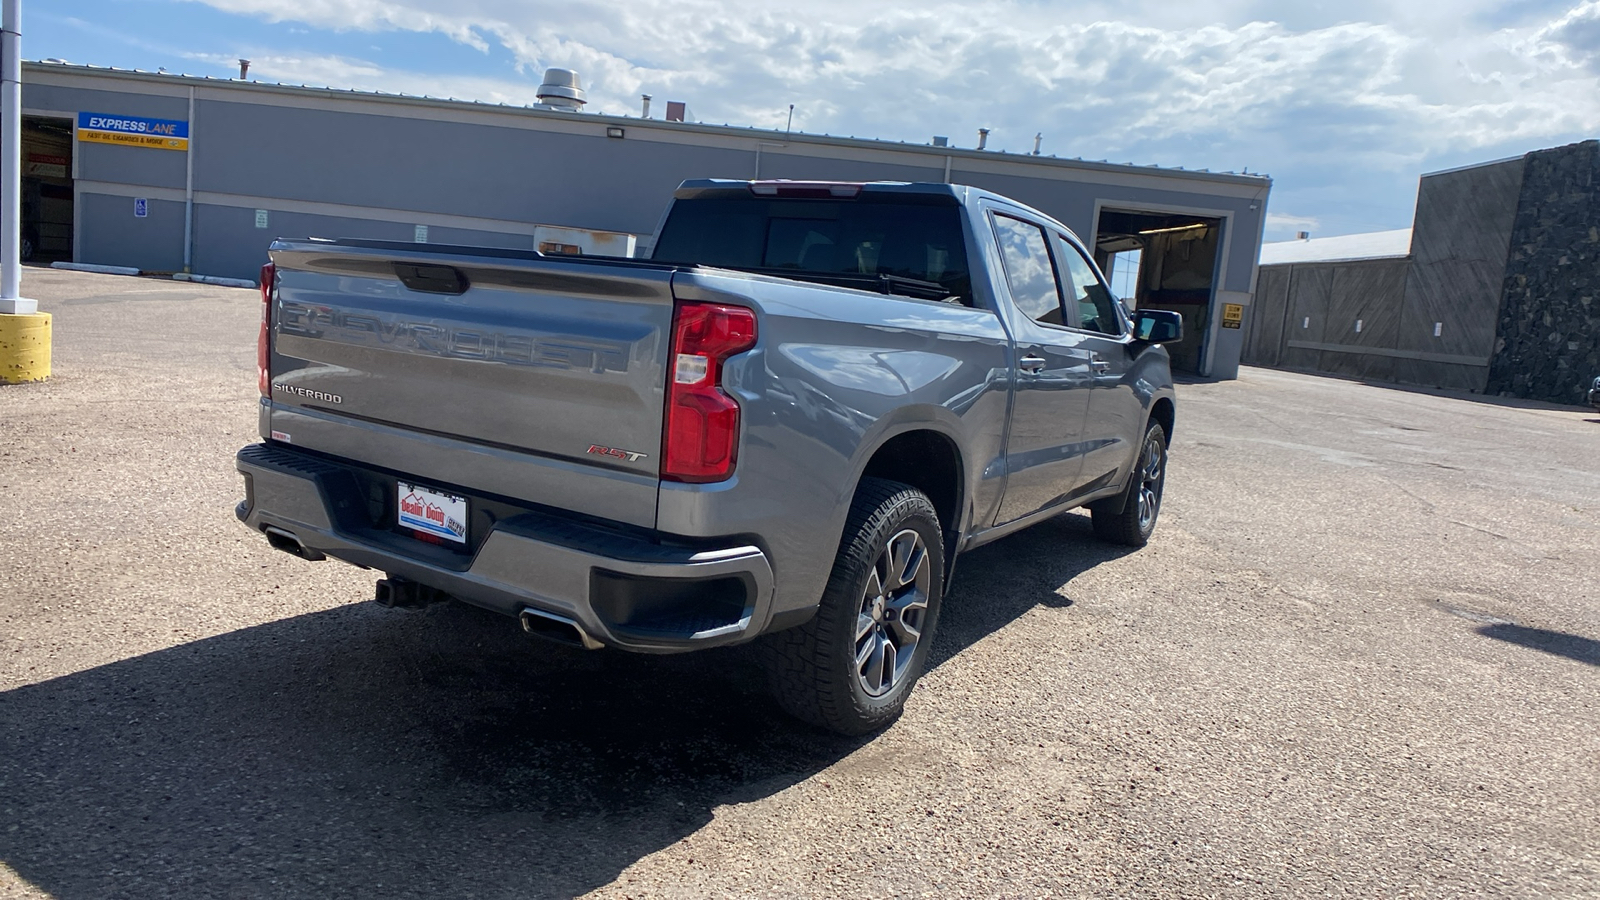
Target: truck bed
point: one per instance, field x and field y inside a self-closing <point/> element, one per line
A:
<point x="495" y="369"/>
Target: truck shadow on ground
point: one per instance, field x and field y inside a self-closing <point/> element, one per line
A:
<point x="1557" y="643"/>
<point x="359" y="752"/>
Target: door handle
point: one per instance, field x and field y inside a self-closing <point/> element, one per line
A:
<point x="1099" y="365"/>
<point x="1031" y="364"/>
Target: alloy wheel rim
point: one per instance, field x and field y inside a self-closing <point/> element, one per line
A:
<point x="1150" y="484"/>
<point x="893" y="606"/>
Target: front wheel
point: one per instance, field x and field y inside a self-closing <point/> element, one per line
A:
<point x="1130" y="517"/>
<point x="852" y="666"/>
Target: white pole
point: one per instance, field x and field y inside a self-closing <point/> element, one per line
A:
<point x="188" y="192"/>
<point x="11" y="163"/>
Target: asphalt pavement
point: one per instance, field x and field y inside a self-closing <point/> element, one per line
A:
<point x="1360" y="658"/>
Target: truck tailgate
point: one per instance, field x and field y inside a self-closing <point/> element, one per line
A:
<point x="495" y="371"/>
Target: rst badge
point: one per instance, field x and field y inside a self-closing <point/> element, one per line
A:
<point x="629" y="455"/>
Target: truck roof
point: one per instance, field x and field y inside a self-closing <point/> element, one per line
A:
<point x="960" y="194"/>
<point x="776" y="186"/>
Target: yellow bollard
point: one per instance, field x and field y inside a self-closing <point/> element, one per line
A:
<point x="24" y="348"/>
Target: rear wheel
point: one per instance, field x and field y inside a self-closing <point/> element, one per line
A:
<point x="851" y="667"/>
<point x="1130" y="517"/>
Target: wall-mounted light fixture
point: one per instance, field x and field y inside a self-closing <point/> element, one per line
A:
<point x="614" y="131"/>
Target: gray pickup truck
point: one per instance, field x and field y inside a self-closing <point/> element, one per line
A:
<point x="785" y="425"/>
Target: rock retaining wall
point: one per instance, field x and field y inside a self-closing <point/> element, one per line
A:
<point x="1548" y="344"/>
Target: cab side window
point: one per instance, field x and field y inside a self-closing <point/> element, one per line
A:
<point x="1030" y="271"/>
<point x="1090" y="305"/>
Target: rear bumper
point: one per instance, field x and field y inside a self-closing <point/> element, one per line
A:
<point x="626" y="591"/>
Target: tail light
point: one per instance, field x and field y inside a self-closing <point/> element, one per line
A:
<point x="269" y="273"/>
<point x="701" y="439"/>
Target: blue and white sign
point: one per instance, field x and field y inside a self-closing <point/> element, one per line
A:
<point x="133" y="131"/>
<point x="141" y="207"/>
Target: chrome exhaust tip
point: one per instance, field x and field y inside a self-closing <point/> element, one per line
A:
<point x="556" y="628"/>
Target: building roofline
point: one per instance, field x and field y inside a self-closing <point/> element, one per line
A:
<point x="1387" y="257"/>
<point x="1476" y="165"/>
<point x="1394" y="243"/>
<point x="1202" y="175"/>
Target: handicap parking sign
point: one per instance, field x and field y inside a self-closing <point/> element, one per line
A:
<point x="141" y="207"/>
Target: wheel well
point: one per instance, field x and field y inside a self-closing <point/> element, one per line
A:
<point x="929" y="462"/>
<point x="1162" y="412"/>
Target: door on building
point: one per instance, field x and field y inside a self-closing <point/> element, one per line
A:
<point x="1164" y="261"/>
<point x="46" y="189"/>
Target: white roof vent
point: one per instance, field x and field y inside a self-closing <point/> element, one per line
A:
<point x="562" y="89"/>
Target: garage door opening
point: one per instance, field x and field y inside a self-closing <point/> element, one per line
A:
<point x="1164" y="261"/>
<point x="46" y="189"/>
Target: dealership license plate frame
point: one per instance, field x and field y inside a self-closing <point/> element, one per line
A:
<point x="416" y="504"/>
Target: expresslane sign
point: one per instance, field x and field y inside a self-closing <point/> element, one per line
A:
<point x="133" y="131"/>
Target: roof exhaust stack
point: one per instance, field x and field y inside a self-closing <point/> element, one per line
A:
<point x="244" y="69"/>
<point x="1037" y="140"/>
<point x="646" y="98"/>
<point x="983" y="138"/>
<point x="562" y="89"/>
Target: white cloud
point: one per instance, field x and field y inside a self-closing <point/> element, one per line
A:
<point x="903" y="69"/>
<point x="363" y="75"/>
<point x="1573" y="39"/>
<point x="1216" y="83"/>
<point x="1285" y="223"/>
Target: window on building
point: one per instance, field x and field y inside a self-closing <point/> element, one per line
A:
<point x="1124" y="275"/>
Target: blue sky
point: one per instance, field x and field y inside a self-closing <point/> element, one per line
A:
<point x="1343" y="103"/>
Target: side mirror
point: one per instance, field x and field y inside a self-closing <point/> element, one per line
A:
<point x="1157" y="326"/>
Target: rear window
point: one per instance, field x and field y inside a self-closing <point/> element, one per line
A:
<point x="852" y="242"/>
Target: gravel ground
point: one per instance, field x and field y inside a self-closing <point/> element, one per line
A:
<point x="1361" y="658"/>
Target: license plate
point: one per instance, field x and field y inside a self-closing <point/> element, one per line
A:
<point x="433" y="512"/>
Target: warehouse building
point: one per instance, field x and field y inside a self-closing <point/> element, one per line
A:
<point x="170" y="173"/>
<point x="1495" y="289"/>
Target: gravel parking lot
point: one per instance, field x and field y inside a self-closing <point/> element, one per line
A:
<point x="1361" y="658"/>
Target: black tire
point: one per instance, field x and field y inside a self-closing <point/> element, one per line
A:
<point x="1130" y="517"/>
<point x="814" y="667"/>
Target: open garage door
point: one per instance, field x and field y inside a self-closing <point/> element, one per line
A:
<point x="1164" y="261"/>
<point x="46" y="189"/>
